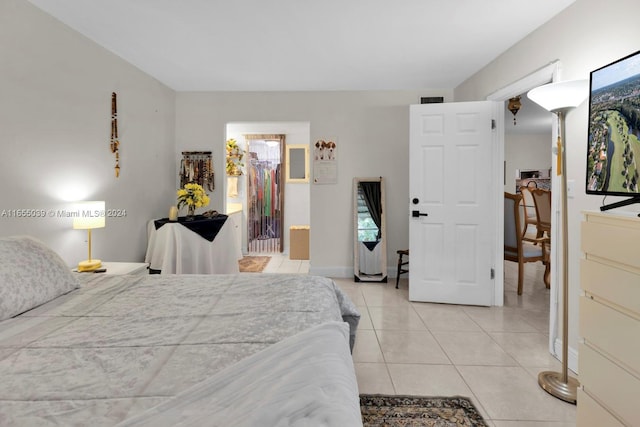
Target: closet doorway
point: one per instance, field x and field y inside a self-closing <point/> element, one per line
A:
<point x="265" y="193"/>
<point x="296" y="202"/>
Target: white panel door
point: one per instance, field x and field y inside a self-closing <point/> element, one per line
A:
<point x="451" y="242"/>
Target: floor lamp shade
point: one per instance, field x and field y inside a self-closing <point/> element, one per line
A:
<point x="559" y="98"/>
<point x="89" y="215"/>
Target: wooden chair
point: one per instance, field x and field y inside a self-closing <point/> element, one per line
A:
<point x="516" y="249"/>
<point x="529" y="209"/>
<point x="401" y="264"/>
<point x="542" y="203"/>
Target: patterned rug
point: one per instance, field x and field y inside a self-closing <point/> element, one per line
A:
<point x="253" y="264"/>
<point x="399" y="411"/>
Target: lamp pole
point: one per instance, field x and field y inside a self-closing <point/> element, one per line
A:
<point x="560" y="384"/>
<point x="559" y="98"/>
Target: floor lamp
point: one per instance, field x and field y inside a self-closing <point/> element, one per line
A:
<point x="559" y="98"/>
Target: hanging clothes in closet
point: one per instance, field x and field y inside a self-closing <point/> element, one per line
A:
<point x="264" y="195"/>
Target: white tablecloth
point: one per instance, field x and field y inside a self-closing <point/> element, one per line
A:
<point x="174" y="249"/>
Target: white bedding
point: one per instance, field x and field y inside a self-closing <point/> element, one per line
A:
<point x="304" y="380"/>
<point x="120" y="345"/>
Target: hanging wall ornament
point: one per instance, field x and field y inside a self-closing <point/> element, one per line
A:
<point x="197" y="166"/>
<point x="514" y="106"/>
<point x="115" y="144"/>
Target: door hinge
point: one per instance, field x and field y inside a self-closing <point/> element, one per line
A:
<point x="493" y="274"/>
<point x="493" y="124"/>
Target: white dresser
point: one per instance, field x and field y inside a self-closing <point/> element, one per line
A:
<point x="609" y="357"/>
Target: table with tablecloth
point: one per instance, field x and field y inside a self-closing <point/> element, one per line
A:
<point x="203" y="245"/>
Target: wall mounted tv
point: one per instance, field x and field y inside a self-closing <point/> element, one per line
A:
<point x="613" y="152"/>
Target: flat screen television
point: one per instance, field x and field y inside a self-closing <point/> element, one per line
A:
<point x="613" y="152"/>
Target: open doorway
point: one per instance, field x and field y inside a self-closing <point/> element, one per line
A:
<point x="297" y="195"/>
<point x="547" y="74"/>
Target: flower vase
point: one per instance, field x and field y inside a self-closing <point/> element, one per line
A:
<point x="191" y="213"/>
<point x="232" y="186"/>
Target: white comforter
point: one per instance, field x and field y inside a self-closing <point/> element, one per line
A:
<point x="305" y="380"/>
<point x="121" y="345"/>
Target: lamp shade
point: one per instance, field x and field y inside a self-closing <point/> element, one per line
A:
<point x="561" y="95"/>
<point x="89" y="215"/>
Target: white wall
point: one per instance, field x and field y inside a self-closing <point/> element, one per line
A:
<point x="55" y="118"/>
<point x="372" y="131"/>
<point x="525" y="152"/>
<point x="584" y="37"/>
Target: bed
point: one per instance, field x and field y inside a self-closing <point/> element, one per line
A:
<point x="219" y="350"/>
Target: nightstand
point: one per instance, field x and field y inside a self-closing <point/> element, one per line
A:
<point x="135" y="268"/>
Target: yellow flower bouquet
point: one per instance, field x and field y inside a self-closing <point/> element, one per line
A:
<point x="234" y="158"/>
<point x="192" y="196"/>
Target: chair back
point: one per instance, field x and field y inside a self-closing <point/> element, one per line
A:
<point x="528" y="203"/>
<point x="512" y="222"/>
<point x="542" y="202"/>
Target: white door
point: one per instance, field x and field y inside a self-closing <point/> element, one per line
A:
<point x="452" y="241"/>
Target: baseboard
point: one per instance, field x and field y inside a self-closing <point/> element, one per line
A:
<point x="572" y="361"/>
<point x="344" y="272"/>
<point x="337" y="272"/>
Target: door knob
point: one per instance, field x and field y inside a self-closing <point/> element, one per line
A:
<point x="415" y="201"/>
<point x="417" y="214"/>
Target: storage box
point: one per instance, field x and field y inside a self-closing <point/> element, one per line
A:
<point x="299" y="242"/>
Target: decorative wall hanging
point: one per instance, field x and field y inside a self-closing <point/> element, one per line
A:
<point x="325" y="164"/>
<point x="197" y="166"/>
<point x="514" y="106"/>
<point x="115" y="144"/>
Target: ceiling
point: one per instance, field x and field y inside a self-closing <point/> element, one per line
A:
<point x="293" y="45"/>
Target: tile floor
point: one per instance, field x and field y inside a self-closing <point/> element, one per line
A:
<point x="490" y="354"/>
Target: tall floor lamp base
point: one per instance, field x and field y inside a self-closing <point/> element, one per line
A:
<point x="552" y="383"/>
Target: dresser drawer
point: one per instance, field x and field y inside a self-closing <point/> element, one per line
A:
<point x="611" y="330"/>
<point x="614" y="240"/>
<point x="620" y="287"/>
<point x="610" y="384"/>
<point x="591" y="414"/>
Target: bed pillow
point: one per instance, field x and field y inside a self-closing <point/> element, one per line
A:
<point x="30" y="275"/>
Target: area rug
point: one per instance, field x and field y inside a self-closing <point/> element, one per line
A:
<point x="253" y="264"/>
<point x="402" y="411"/>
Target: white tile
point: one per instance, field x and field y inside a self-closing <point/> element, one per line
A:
<point x="529" y="349"/>
<point x="383" y="294"/>
<point x="366" y="348"/>
<point x="510" y="393"/>
<point x="365" y="320"/>
<point x="428" y="380"/>
<point x="411" y="347"/>
<point x="396" y="317"/>
<point x="500" y="319"/>
<point x="444" y="317"/>
<point x="473" y="348"/>
<point x="373" y="378"/>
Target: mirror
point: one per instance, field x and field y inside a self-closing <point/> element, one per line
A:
<point x="297" y="169"/>
<point x="370" y="240"/>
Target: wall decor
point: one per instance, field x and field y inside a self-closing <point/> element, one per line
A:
<point x="325" y="164"/>
<point x="115" y="144"/>
<point x="197" y="166"/>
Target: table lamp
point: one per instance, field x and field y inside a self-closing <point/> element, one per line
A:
<point x="90" y="215"/>
<point x="559" y="98"/>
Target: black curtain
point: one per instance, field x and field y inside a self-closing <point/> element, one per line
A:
<point x="372" y="197"/>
